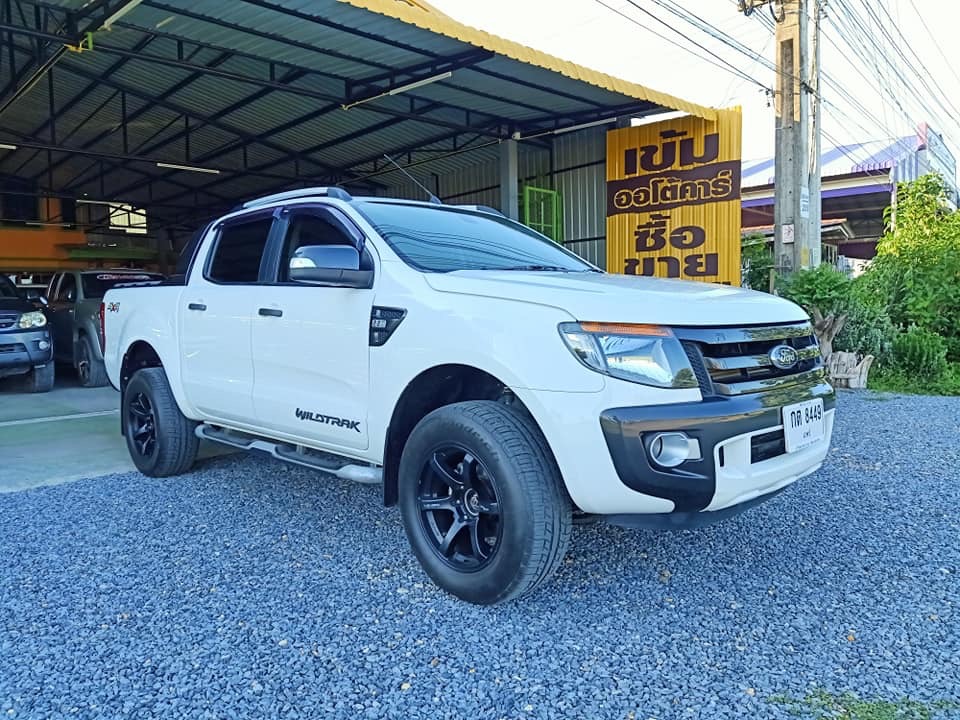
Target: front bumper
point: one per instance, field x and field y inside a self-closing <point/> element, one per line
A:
<point x="743" y="459"/>
<point x="23" y="350"/>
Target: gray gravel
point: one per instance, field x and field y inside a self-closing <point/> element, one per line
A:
<point x="254" y="589"/>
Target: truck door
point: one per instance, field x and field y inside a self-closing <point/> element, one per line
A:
<point x="216" y="309"/>
<point x="311" y="342"/>
<point x="60" y="311"/>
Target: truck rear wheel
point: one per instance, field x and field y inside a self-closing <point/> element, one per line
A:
<point x="161" y="441"/>
<point x="482" y="502"/>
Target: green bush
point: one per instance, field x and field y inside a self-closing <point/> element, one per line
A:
<point x="823" y="287"/>
<point x="889" y="379"/>
<point x="756" y="256"/>
<point x="920" y="352"/>
<point x="916" y="273"/>
<point x="868" y="331"/>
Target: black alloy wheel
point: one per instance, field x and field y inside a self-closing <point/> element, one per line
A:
<point x="482" y="501"/>
<point x="460" y="508"/>
<point x="143" y="425"/>
<point x="162" y="441"/>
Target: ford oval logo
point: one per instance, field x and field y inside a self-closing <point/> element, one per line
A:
<point x="784" y="357"/>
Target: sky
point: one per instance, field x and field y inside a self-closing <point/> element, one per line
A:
<point x="864" y="97"/>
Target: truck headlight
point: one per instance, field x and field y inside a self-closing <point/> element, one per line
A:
<point x="32" y="320"/>
<point x="646" y="354"/>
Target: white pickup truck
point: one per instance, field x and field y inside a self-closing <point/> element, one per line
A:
<point x="499" y="387"/>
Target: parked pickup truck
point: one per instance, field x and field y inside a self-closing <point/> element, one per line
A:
<point x="497" y="385"/>
<point x="74" y="312"/>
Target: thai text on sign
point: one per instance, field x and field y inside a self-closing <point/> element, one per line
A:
<point x="673" y="199"/>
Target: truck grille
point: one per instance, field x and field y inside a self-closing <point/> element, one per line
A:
<point x="738" y="361"/>
<point x="13" y="348"/>
<point x="7" y="320"/>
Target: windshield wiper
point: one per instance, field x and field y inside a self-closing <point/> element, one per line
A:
<point x="541" y="268"/>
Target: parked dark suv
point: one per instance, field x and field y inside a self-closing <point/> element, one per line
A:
<point x="26" y="347"/>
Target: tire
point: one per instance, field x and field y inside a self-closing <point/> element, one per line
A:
<point x="161" y="441"/>
<point x="39" y="380"/>
<point x="90" y="371"/>
<point x="483" y="502"/>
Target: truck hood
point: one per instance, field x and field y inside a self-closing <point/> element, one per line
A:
<point x="16" y="305"/>
<point x="623" y="298"/>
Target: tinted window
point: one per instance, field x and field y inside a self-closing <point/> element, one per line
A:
<point x="7" y="288"/>
<point x="239" y="249"/>
<point x="67" y="292"/>
<point x="310" y="229"/>
<point x="435" y="239"/>
<point x="185" y="259"/>
<point x="95" y="285"/>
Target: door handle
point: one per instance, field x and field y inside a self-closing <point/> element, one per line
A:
<point x="271" y="312"/>
<point x="197" y="306"/>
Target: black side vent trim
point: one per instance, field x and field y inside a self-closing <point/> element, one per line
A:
<point x="383" y="321"/>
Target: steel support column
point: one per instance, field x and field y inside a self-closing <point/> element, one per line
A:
<point x="509" y="180"/>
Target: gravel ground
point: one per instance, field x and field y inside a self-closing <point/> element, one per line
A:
<point x="255" y="589"/>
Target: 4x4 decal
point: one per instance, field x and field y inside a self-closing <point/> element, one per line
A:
<point x="328" y="419"/>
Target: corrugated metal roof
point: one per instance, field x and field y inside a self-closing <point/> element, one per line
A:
<point x="222" y="64"/>
<point x="444" y="25"/>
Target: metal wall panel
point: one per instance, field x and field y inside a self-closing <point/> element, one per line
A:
<point x="477" y="183"/>
<point x="579" y="161"/>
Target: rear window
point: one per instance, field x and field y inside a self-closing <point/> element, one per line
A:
<point x="95" y="285"/>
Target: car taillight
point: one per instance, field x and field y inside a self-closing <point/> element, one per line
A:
<point x="103" y="329"/>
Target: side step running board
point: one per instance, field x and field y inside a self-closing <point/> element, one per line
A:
<point x="296" y="454"/>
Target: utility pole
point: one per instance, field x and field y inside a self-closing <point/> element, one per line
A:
<point x="797" y="209"/>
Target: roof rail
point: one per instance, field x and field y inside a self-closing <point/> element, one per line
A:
<point x="334" y="192"/>
<point x="481" y="208"/>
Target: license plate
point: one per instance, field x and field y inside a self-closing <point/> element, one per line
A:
<point x="803" y="424"/>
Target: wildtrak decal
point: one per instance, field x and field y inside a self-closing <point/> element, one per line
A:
<point x="308" y="415"/>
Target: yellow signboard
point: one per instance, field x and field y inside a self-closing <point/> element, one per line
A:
<point x="673" y="199"/>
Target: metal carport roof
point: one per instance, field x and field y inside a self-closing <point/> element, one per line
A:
<point x="269" y="94"/>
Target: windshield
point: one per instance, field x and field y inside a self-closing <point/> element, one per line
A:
<point x="95" y="285"/>
<point x="438" y="239"/>
<point x="7" y="288"/>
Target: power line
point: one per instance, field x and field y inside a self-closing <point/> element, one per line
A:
<point x="723" y="63"/>
<point x="946" y="60"/>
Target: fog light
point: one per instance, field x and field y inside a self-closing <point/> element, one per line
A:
<point x="671" y="449"/>
<point x="43" y="345"/>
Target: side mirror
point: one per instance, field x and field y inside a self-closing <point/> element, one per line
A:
<point x="332" y="265"/>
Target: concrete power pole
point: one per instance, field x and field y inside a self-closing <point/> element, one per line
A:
<point x="796" y="212"/>
<point x="797" y="103"/>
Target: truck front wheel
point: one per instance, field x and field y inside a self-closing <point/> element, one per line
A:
<point x="482" y="502"/>
<point x="161" y="441"/>
<point x="90" y="371"/>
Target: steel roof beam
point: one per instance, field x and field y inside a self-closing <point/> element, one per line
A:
<point x="159" y="100"/>
<point x="86" y="90"/>
<point x="404" y="46"/>
<point x="371" y="84"/>
<point x="364" y="61"/>
<point x="354" y="135"/>
<point x="39" y="146"/>
<point x="174" y="10"/>
<point x="162" y="101"/>
<point x="43" y="67"/>
<point x="301" y="91"/>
